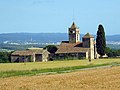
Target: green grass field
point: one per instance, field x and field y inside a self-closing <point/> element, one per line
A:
<point x="33" y="68"/>
<point x="52" y="64"/>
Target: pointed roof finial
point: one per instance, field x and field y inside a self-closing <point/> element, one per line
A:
<point x="73" y="25"/>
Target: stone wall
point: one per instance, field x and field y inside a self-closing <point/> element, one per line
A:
<point x="45" y="56"/>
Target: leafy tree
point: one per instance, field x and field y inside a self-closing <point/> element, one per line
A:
<point x="5" y="57"/>
<point x="101" y="41"/>
<point x="51" y="48"/>
<point x="108" y="50"/>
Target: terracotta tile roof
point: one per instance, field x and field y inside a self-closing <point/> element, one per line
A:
<point x="29" y="52"/>
<point x="71" y="48"/>
<point x="23" y="52"/>
<point x="87" y="36"/>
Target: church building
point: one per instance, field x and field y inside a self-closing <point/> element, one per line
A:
<point x="74" y="47"/>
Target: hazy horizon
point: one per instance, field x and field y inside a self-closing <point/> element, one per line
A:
<point x="51" y="33"/>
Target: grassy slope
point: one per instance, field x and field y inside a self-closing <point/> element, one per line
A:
<point x="15" y="69"/>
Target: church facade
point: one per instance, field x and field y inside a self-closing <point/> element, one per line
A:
<point x="75" y="48"/>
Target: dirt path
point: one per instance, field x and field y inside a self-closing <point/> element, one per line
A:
<point x="97" y="79"/>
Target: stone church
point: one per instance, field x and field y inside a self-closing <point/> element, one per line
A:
<point x="76" y="48"/>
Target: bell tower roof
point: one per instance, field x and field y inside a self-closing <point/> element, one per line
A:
<point x="88" y="36"/>
<point x="73" y="26"/>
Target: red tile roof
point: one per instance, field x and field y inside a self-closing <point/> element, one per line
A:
<point x="29" y="52"/>
<point x="71" y="48"/>
<point x="23" y="52"/>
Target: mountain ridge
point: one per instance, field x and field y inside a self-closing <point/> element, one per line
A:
<point x="46" y="37"/>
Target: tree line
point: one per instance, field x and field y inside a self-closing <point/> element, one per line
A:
<point x="112" y="52"/>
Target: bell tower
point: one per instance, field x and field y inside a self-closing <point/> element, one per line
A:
<point x="88" y="42"/>
<point x="74" y="34"/>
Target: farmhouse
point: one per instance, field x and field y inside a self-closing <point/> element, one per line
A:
<point x="30" y="55"/>
<point x="75" y="48"/>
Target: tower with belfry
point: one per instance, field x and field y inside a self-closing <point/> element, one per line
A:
<point x="76" y="48"/>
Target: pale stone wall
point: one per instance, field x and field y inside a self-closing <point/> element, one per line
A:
<point x="45" y="56"/>
<point x="77" y="35"/>
<point x="33" y="57"/>
<point x="95" y="52"/>
<point x="92" y="48"/>
<point x="87" y="55"/>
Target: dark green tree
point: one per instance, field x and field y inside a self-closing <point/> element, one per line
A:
<point x="5" y="57"/>
<point x="101" y="41"/>
<point x="108" y="50"/>
<point x="51" y="48"/>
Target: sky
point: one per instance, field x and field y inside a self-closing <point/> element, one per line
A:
<point x="56" y="16"/>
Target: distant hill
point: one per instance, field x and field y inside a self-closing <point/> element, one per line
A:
<point x="44" y="37"/>
<point x="38" y="37"/>
<point x="115" y="38"/>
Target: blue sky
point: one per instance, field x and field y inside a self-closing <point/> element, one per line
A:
<point x="55" y="16"/>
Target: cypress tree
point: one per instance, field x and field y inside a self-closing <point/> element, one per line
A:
<point x="101" y="41"/>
